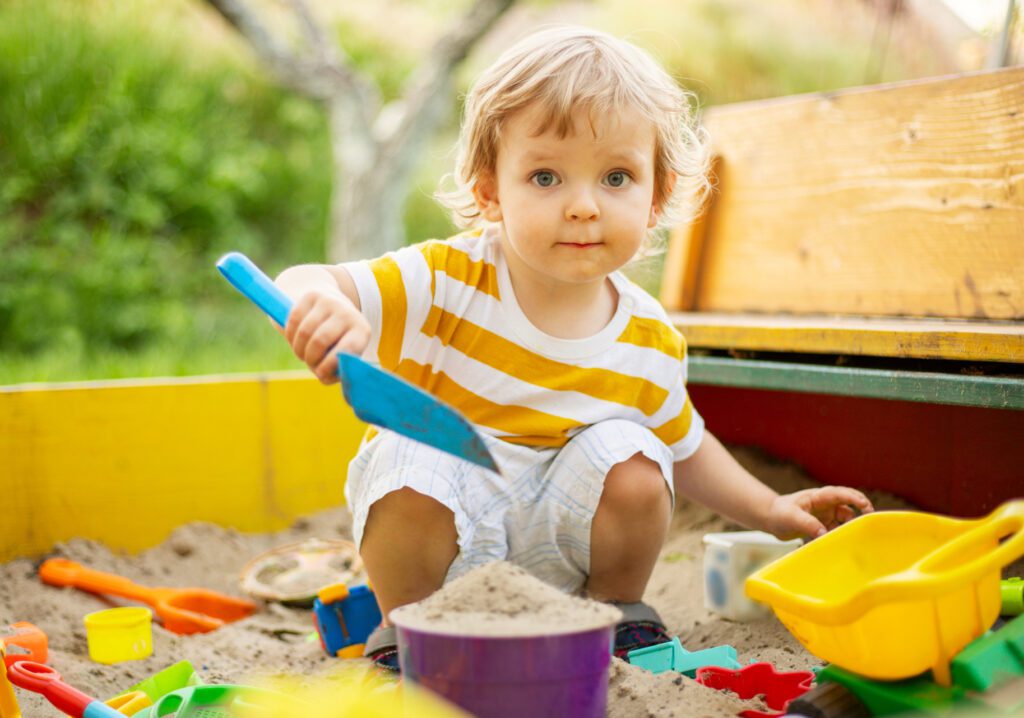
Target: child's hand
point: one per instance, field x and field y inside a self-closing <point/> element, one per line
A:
<point x="813" y="512"/>
<point x="320" y="325"/>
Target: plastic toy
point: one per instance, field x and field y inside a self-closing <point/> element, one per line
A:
<point x="729" y="558"/>
<point x="894" y="593"/>
<point x="130" y="703"/>
<point x="756" y="679"/>
<point x="351" y="692"/>
<point x="293" y="574"/>
<point x="183" y="610"/>
<point x="1012" y="592"/>
<point x="28" y="638"/>
<point x="174" y="677"/>
<point x="121" y="634"/>
<point x="225" y="701"/>
<point x="671" y="656"/>
<point x="42" y="679"/>
<point x="988" y="677"/>
<point x="345" y="617"/>
<point x="8" y="701"/>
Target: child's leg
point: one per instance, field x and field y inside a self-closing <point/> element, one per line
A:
<point x="628" y="530"/>
<point x="408" y="544"/>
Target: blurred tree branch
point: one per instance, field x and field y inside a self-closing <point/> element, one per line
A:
<point x="375" y="145"/>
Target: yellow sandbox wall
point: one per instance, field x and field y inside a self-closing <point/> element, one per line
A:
<point x="125" y="462"/>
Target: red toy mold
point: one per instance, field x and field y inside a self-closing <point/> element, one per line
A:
<point x="758" y="679"/>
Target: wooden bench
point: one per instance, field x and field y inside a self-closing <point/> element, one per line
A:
<point x="862" y="259"/>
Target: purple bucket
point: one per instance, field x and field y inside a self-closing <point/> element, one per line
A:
<point x="563" y="675"/>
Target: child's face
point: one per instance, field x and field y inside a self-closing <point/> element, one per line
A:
<point x="575" y="208"/>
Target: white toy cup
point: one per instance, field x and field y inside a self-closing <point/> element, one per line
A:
<point x="729" y="558"/>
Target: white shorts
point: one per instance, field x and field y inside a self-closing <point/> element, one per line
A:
<point x="536" y="514"/>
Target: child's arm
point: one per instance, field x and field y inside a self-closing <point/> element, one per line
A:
<point x="712" y="477"/>
<point x="326" y="317"/>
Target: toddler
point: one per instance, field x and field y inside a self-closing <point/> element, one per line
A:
<point x="575" y="147"/>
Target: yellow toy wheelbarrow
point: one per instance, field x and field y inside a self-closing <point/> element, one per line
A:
<point x="892" y="594"/>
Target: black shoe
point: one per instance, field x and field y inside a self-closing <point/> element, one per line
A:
<point x="382" y="649"/>
<point x="641" y="626"/>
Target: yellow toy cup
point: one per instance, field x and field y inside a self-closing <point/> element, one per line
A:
<point x="119" y="634"/>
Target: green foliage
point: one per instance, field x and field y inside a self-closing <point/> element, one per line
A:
<point x="424" y="217"/>
<point x="139" y="140"/>
<point x="384" y="62"/>
<point x="738" y="50"/>
<point x="127" y="166"/>
<point x="222" y="337"/>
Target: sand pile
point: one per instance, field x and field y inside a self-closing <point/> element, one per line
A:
<point x="500" y="599"/>
<point x="636" y="693"/>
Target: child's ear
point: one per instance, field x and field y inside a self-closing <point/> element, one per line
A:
<point x="485" y="192"/>
<point x="669" y="185"/>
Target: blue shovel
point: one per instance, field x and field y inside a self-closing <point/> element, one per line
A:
<point x="378" y="397"/>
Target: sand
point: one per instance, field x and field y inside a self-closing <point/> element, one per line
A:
<point x="501" y="599"/>
<point x="278" y="639"/>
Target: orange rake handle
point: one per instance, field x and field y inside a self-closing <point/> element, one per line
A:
<point x="62" y="572"/>
<point x="183" y="610"/>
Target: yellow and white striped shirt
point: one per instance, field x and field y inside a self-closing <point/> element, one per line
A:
<point x="444" y="317"/>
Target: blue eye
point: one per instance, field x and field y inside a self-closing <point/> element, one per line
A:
<point x="544" y="179"/>
<point x="616" y="179"/>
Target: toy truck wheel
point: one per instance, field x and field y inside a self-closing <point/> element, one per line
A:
<point x="828" y="700"/>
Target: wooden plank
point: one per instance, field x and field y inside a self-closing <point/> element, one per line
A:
<point x="126" y="462"/>
<point x="683" y="260"/>
<point x="907" y="338"/>
<point x="674" y="287"/>
<point x="962" y="390"/>
<point x="896" y="200"/>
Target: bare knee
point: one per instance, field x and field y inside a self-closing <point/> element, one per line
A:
<point x="636" y="487"/>
<point x="407" y="517"/>
<point x="409" y="543"/>
<point x="406" y="504"/>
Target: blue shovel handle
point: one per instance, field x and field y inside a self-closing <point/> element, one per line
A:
<point x="247" y="278"/>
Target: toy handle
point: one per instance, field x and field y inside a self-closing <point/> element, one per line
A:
<point x="43" y="679"/>
<point x="1006" y="521"/>
<point x="247" y="278"/>
<point x="62" y="572"/>
<point x="130" y="703"/>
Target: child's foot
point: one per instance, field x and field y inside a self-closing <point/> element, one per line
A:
<point x="641" y="626"/>
<point x="382" y="649"/>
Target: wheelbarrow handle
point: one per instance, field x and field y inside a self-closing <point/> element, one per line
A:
<point x="63" y="572"/>
<point x="1003" y="528"/>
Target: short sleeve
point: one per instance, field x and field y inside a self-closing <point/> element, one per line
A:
<point x="394" y="290"/>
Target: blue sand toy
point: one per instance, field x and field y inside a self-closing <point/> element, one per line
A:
<point x="345" y="617"/>
<point x="672" y="656"/>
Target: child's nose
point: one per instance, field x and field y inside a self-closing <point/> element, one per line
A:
<point x="582" y="206"/>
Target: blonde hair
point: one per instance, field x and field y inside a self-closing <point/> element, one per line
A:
<point x="564" y="68"/>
